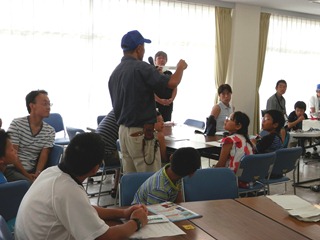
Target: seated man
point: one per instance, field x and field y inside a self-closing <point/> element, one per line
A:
<point x="165" y="185"/>
<point x="8" y="155"/>
<point x="108" y="129"/>
<point x="32" y="138"/>
<point x="57" y="206"/>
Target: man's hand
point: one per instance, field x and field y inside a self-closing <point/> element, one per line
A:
<point x="182" y="64"/>
<point x="130" y="210"/>
<point x="141" y="214"/>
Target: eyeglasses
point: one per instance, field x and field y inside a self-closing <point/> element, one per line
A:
<point x="45" y="104"/>
<point x="229" y="119"/>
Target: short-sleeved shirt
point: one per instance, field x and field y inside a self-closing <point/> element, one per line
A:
<point x="56" y="207"/>
<point x="240" y="148"/>
<point x="30" y="145"/>
<point x="314" y="102"/>
<point x="157" y="189"/>
<point x="225" y="111"/>
<point x="269" y="143"/>
<point x="132" y="86"/>
<point x="277" y="103"/>
<point x="293" y="117"/>
<point x="108" y="129"/>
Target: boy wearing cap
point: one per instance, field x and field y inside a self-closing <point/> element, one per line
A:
<point x="314" y="101"/>
<point x="165" y="98"/>
<point x="132" y="86"/>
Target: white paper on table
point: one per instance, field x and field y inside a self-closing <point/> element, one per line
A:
<point x="289" y="202"/>
<point x="214" y="143"/>
<point x="305" y="212"/>
<point x="157" y="230"/>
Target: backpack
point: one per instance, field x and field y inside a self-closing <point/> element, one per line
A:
<point x="211" y="124"/>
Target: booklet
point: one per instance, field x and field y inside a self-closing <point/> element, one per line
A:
<point x="172" y="211"/>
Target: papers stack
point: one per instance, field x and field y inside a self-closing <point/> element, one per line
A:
<point x="297" y="207"/>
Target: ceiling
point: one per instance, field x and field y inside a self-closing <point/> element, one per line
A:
<point x="299" y="6"/>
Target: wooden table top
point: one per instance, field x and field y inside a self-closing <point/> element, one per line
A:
<point x="273" y="211"/>
<point x="230" y="219"/>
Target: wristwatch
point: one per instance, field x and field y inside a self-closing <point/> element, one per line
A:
<point x="138" y="222"/>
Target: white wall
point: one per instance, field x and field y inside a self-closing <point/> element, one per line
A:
<point x="243" y="59"/>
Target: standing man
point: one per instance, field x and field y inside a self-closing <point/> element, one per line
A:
<point x="277" y="101"/>
<point x="132" y="86"/>
<point x="32" y="138"/>
<point x="164" y="101"/>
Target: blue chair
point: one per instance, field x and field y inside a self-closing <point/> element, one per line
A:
<point x="11" y="194"/>
<point x="72" y="132"/>
<point x="210" y="184"/>
<point x="129" y="184"/>
<point x="195" y="123"/>
<point x="253" y="169"/>
<point x="55" y="155"/>
<point x="5" y="233"/>
<point x="286" y="161"/>
<point x="55" y="120"/>
<point x="100" y="118"/>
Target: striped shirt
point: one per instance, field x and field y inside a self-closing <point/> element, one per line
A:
<point x="30" y="145"/>
<point x="157" y="189"/>
<point x="108" y="129"/>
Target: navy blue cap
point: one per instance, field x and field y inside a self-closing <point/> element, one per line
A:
<point x="318" y="87"/>
<point x="132" y="39"/>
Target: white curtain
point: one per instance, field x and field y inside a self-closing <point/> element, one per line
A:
<point x="293" y="54"/>
<point x="70" y="48"/>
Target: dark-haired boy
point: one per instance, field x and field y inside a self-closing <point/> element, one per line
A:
<point x="57" y="206"/>
<point x="297" y="116"/>
<point x="272" y="122"/>
<point x="32" y="138"/>
<point x="8" y="155"/>
<point x="165" y="185"/>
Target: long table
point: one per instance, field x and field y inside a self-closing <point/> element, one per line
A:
<point x="256" y="218"/>
<point x="305" y="135"/>
<point x="271" y="210"/>
<point x="234" y="219"/>
<point x="179" y="136"/>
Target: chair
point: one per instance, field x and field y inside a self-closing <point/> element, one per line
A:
<point x="286" y="161"/>
<point x="210" y="184"/>
<point x="253" y="169"/>
<point x="100" y="118"/>
<point x="5" y="233"/>
<point x="55" y="155"/>
<point x="55" y="120"/>
<point x="11" y="194"/>
<point x="129" y="184"/>
<point x="72" y="132"/>
<point x="194" y="123"/>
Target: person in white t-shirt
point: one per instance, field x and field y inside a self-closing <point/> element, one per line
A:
<point x="57" y="206"/>
<point x="314" y="102"/>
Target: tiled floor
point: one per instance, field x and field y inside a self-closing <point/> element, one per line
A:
<point x="308" y="170"/>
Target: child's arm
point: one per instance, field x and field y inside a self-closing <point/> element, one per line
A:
<point x="224" y="155"/>
<point x="294" y="123"/>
